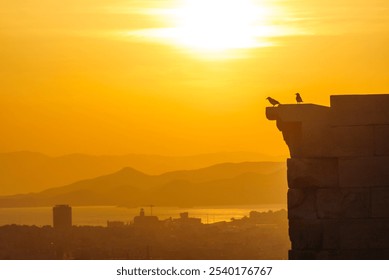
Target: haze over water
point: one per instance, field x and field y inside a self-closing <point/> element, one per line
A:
<point x="99" y="215"/>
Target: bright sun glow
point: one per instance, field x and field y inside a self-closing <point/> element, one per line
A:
<point x="219" y="24"/>
<point x="216" y="26"/>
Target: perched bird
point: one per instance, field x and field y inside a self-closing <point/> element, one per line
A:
<point x="273" y="101"/>
<point x="298" y="98"/>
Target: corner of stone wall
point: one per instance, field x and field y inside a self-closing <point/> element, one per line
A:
<point x="338" y="177"/>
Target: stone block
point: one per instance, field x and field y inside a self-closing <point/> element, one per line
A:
<point x="292" y="134"/>
<point x="302" y="125"/>
<point x="364" y="234"/>
<point x="302" y="255"/>
<point x="329" y="203"/>
<point x="344" y="254"/>
<point x="360" y="109"/>
<point x="356" y="233"/>
<point x="331" y="239"/>
<point x="343" y="203"/>
<point x="364" y="171"/>
<point x="327" y="255"/>
<point x="298" y="112"/>
<point x="317" y="140"/>
<point x="380" y="202"/>
<point x="381" y="137"/>
<point x="363" y="254"/>
<point x="355" y="203"/>
<point x="312" y="173"/>
<point x="379" y="234"/>
<point x="350" y="141"/>
<point x="306" y="234"/>
<point x="301" y="204"/>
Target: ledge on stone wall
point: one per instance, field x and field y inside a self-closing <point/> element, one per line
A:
<point x="299" y="124"/>
<point x="297" y="112"/>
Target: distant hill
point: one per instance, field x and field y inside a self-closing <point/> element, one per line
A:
<point x="221" y="184"/>
<point x="23" y="172"/>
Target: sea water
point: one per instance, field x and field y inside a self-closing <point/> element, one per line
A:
<point x="99" y="215"/>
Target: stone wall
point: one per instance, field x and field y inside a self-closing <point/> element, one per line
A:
<point x="338" y="177"/>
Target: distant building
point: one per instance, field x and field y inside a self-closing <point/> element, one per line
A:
<point x="62" y="216"/>
<point x="185" y="220"/>
<point x="143" y="220"/>
<point x="115" y="224"/>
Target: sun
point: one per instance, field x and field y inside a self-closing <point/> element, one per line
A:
<point x="219" y="24"/>
<point x="216" y="27"/>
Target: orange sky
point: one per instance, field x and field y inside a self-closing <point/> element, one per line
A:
<point x="177" y="77"/>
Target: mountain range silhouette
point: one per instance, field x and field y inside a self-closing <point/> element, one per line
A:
<point x="24" y="172"/>
<point x="221" y="184"/>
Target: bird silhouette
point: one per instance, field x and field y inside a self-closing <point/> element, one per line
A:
<point x="298" y="98"/>
<point x="273" y="101"/>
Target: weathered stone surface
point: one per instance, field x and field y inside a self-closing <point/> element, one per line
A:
<point x="379" y="233"/>
<point x="302" y="254"/>
<point x="327" y="255"/>
<point x="343" y="203"/>
<point x="301" y="204"/>
<point x="344" y="254"/>
<point x="352" y="141"/>
<point x="312" y="173"/>
<point x="298" y="113"/>
<point x="331" y="239"/>
<point x="362" y="254"/>
<point x="301" y="126"/>
<point x="356" y="234"/>
<point x="329" y="203"/>
<point x="364" y="171"/>
<point x="364" y="233"/>
<point x="338" y="177"/>
<point x="355" y="203"/>
<point x="381" y="136"/>
<point x="380" y="202"/>
<point x="317" y="140"/>
<point x="292" y="134"/>
<point x="306" y="234"/>
<point x="360" y="109"/>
